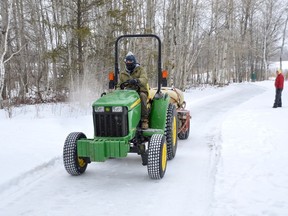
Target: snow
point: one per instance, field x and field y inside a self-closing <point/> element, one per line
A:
<point x="233" y="163"/>
<point x="252" y="171"/>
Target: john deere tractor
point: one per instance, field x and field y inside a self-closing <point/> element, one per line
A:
<point x="117" y="131"/>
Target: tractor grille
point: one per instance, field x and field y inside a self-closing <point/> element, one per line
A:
<point x="111" y="124"/>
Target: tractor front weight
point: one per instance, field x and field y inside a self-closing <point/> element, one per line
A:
<point x="99" y="150"/>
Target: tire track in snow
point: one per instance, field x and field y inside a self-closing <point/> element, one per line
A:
<point x="28" y="177"/>
<point x="210" y="116"/>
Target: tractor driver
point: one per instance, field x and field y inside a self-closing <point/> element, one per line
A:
<point x="135" y="75"/>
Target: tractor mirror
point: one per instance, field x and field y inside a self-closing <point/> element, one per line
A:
<point x="164" y="78"/>
<point x="111" y="80"/>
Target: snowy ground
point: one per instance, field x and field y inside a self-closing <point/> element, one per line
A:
<point x="233" y="163"/>
<point x="252" y="173"/>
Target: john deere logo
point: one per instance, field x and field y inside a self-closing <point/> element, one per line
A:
<point x="107" y="109"/>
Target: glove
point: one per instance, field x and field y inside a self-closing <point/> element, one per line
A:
<point x="133" y="81"/>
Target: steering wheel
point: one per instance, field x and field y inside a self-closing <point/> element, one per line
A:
<point x="126" y="84"/>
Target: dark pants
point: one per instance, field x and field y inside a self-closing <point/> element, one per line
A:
<point x="144" y="110"/>
<point x="278" y="100"/>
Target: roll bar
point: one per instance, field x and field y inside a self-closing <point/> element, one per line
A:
<point x="116" y="71"/>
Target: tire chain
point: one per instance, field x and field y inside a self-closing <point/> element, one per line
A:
<point x="69" y="153"/>
<point x="154" y="165"/>
<point x="169" y="138"/>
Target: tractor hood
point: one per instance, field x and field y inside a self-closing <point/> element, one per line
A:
<point x="128" y="98"/>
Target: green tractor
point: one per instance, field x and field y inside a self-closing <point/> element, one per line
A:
<point x="117" y="131"/>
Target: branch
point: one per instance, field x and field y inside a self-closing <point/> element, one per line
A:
<point x="14" y="53"/>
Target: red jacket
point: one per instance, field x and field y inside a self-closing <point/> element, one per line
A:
<point x="279" y="82"/>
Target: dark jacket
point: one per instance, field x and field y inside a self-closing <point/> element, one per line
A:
<point x="279" y="82"/>
<point x="138" y="73"/>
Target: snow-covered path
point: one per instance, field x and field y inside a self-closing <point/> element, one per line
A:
<point x="122" y="186"/>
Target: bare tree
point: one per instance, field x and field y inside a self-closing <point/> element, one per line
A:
<point x="283" y="37"/>
<point x="6" y="12"/>
<point x="67" y="45"/>
<point x="271" y="27"/>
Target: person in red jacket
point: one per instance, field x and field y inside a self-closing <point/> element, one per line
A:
<point x="279" y="85"/>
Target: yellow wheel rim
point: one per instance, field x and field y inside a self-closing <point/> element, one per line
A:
<point x="174" y="132"/>
<point x="164" y="157"/>
<point x="81" y="162"/>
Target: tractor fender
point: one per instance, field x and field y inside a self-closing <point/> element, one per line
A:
<point x="158" y="111"/>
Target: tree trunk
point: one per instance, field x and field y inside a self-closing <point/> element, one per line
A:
<point x="283" y="40"/>
<point x="6" y="12"/>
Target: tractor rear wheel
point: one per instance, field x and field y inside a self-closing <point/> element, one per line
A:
<point x="73" y="164"/>
<point x="171" y="131"/>
<point x="157" y="156"/>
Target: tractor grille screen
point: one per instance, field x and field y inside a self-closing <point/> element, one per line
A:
<point x="111" y="124"/>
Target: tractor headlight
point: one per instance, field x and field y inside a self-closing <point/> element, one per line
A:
<point x="117" y="109"/>
<point x="99" y="109"/>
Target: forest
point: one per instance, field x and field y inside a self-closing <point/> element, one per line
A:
<point x="55" y="50"/>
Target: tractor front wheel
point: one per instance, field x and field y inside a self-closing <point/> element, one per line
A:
<point x="157" y="156"/>
<point x="73" y="164"/>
